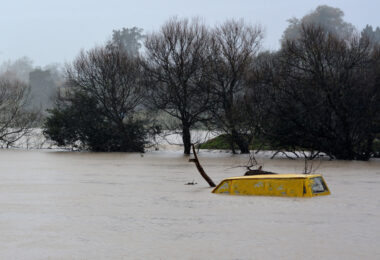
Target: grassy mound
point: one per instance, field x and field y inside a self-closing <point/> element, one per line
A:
<point x="222" y="142"/>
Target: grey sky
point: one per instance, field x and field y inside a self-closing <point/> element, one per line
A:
<point x="51" y="31"/>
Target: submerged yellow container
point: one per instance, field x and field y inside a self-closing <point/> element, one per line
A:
<point x="286" y="185"/>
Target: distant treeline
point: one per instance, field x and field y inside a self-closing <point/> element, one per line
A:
<point x="319" y="92"/>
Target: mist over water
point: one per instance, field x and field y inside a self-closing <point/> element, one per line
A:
<point x="65" y="205"/>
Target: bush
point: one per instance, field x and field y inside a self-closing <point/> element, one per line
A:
<point x="82" y="124"/>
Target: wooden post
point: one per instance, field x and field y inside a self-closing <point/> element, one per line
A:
<point x="200" y="169"/>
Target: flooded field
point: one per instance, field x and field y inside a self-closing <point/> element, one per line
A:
<point x="70" y="205"/>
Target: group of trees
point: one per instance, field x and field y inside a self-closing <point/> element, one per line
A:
<point x="189" y="71"/>
<point x="319" y="92"/>
<point x="196" y="74"/>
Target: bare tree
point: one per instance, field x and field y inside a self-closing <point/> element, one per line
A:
<point x="234" y="46"/>
<point x="15" y="120"/>
<point x="176" y="72"/>
<point x="110" y="76"/>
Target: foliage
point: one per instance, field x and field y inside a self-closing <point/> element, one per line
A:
<point x="82" y="124"/>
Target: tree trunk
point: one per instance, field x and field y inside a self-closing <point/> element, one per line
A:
<point x="232" y="144"/>
<point x="186" y="138"/>
<point x="240" y="141"/>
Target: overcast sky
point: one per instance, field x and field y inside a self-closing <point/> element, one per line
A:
<point x="50" y="31"/>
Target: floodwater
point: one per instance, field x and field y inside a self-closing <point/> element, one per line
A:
<point x="71" y="205"/>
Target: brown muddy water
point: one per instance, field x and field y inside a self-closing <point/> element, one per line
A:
<point x="67" y="205"/>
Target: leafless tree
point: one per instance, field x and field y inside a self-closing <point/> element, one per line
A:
<point x="234" y="46"/>
<point x="15" y="120"/>
<point x="176" y="66"/>
<point x="110" y="76"/>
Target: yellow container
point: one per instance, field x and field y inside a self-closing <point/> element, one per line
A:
<point x="286" y="185"/>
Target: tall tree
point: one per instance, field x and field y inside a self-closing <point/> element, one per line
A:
<point x="176" y="66"/>
<point x="327" y="17"/>
<point x="129" y="39"/>
<point x="234" y="45"/>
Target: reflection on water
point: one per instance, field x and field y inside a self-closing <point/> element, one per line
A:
<point x="64" y="205"/>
